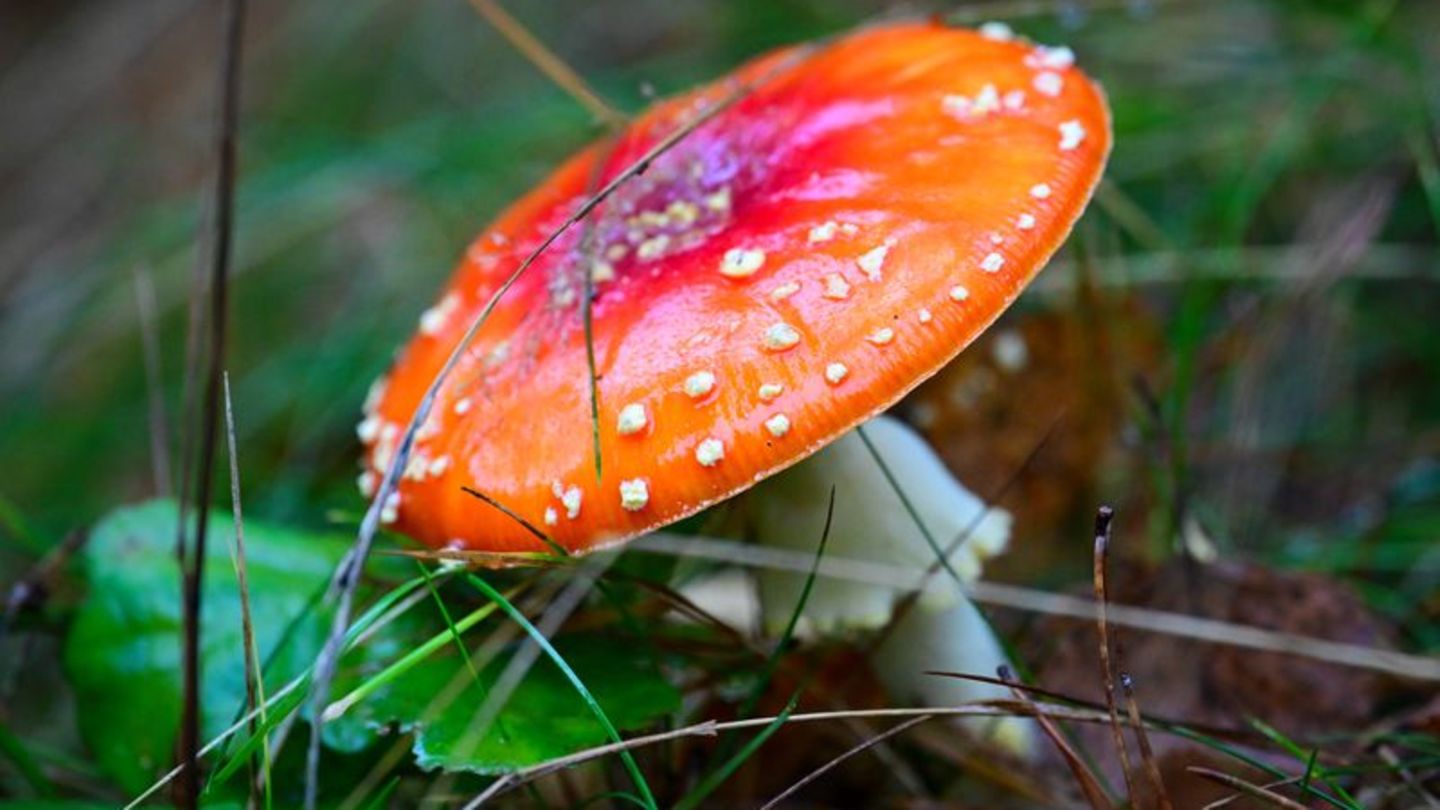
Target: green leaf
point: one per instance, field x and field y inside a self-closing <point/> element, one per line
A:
<point x="123" y="651"/>
<point x="123" y="657"/>
<point x="544" y="718"/>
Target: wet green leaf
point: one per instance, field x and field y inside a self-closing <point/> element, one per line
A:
<point x="543" y="718"/>
<point x="123" y="651"/>
<point x="123" y="656"/>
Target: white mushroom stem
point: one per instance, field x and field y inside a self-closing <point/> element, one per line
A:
<point x="944" y="630"/>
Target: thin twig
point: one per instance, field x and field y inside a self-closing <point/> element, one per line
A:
<point x="1103" y="536"/>
<point x="192" y="370"/>
<point x="862" y="746"/>
<point x="971" y="14"/>
<point x="212" y="746"/>
<point x="383" y="618"/>
<point x="155" y="391"/>
<point x="1152" y="768"/>
<point x="1089" y="785"/>
<point x="1243" y="786"/>
<point x="483" y="559"/>
<point x="1062" y="699"/>
<point x="914" y="589"/>
<point x="942" y="555"/>
<point x="193" y="578"/>
<point x="710" y="728"/>
<point x="30" y="591"/>
<point x="548" y="63"/>
<point x="547" y="625"/>
<point x="484" y="653"/>
<point x="393" y="756"/>
<point x="254" y="677"/>
<point x="681" y="604"/>
<point x="281" y="732"/>
<point x="1235" y="797"/>
<point x="520" y="663"/>
<point x="1388" y="756"/>
<point x="1384" y="262"/>
<point x="1214" y="631"/>
<point x="1104" y="517"/>
<point x="1147" y="753"/>
<point x="587" y="306"/>
<point x="405" y="663"/>
<point x="771" y="660"/>
<point x="348" y="574"/>
<point x="539" y="534"/>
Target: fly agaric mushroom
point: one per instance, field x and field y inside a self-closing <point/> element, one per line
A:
<point x="787" y="271"/>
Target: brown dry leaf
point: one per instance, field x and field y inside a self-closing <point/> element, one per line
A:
<point x="1213" y="685"/>
<point x="1303" y="697"/>
<point x="1058" y="372"/>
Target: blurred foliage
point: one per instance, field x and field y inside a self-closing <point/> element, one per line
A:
<point x="1236" y="348"/>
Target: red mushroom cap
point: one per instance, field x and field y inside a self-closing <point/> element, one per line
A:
<point x="792" y="267"/>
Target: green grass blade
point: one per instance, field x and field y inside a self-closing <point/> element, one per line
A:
<point x="287" y="700"/>
<point x="716" y="779"/>
<point x="1239" y="755"/>
<point x="611" y="794"/>
<point x="910" y="509"/>
<point x="410" y="660"/>
<point x="1307" y="757"/>
<point x="381" y="800"/>
<point x="559" y="660"/>
<point x="772" y="661"/>
<point x="13" y="749"/>
<point x="449" y="623"/>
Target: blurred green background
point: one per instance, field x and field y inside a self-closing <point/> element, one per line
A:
<point x="1269" y="227"/>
